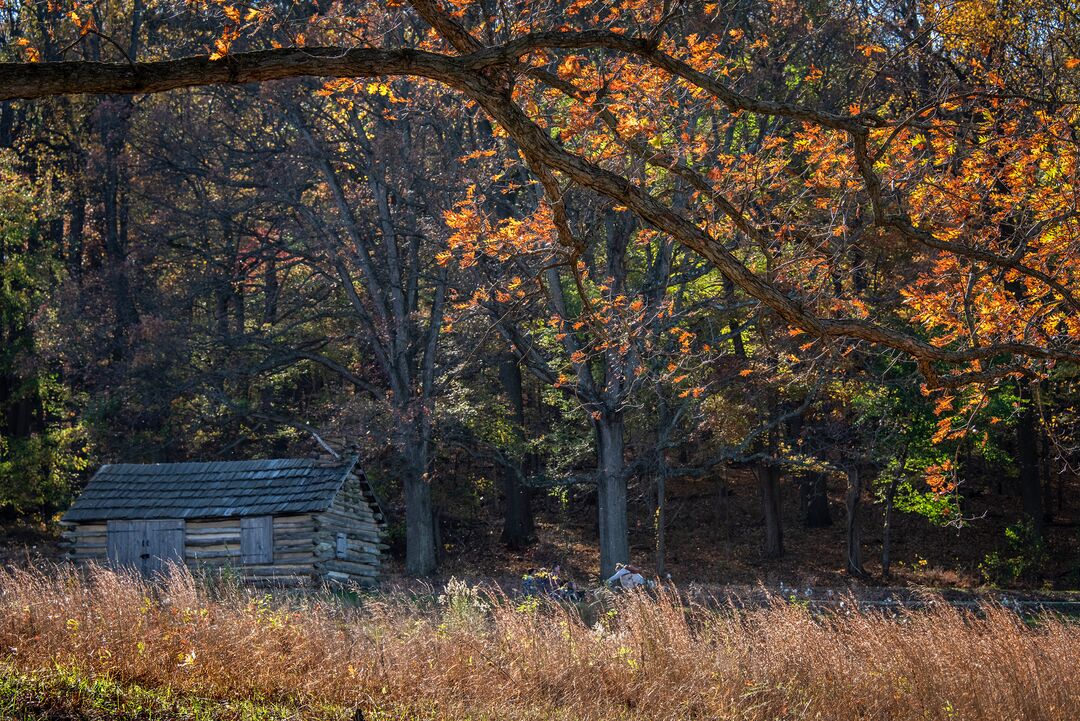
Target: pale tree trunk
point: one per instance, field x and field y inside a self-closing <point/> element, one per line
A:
<point x="611" y="491"/>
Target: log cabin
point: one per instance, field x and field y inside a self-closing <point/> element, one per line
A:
<point x="285" y="522"/>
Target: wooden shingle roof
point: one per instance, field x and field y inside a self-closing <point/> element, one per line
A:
<point x="209" y="490"/>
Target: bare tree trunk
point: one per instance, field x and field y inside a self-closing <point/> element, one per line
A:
<point x="7" y="122"/>
<point x="886" y="533"/>
<point x="854" y="503"/>
<point x="815" y="500"/>
<point x="661" y="521"/>
<point x="517" y="519"/>
<point x="1045" y="478"/>
<point x="890" y="498"/>
<point x="723" y="508"/>
<point x="420" y="555"/>
<point x="611" y="491"/>
<point x="769" y="483"/>
<point x="1028" y="461"/>
<point x="420" y="559"/>
<point x="113" y="130"/>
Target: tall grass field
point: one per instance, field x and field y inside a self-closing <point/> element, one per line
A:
<point x="99" y="644"/>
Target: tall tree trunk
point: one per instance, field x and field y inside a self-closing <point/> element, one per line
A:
<point x="76" y="233"/>
<point x="1028" y="460"/>
<point x="611" y="491"/>
<point x="420" y="554"/>
<point x="271" y="290"/>
<point x="890" y="498"/>
<point x="115" y="114"/>
<point x="1045" y="476"/>
<point x="814" y="500"/>
<point x="660" y="520"/>
<point x="854" y="541"/>
<point x="7" y="122"/>
<point x="517" y="519"/>
<point x="886" y="531"/>
<point x="769" y="482"/>
<point x="723" y="510"/>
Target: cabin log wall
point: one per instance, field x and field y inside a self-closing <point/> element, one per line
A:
<point x="304" y="545"/>
<point x="215" y="544"/>
<point x="353" y="514"/>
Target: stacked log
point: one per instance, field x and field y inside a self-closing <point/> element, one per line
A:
<point x="86" y="542"/>
<point x="352" y="516"/>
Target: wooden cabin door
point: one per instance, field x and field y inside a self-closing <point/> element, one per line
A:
<point x="145" y="545"/>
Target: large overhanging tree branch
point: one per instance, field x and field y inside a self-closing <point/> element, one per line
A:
<point x="484" y="74"/>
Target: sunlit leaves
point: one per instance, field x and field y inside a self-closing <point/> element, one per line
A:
<point x="31" y="54"/>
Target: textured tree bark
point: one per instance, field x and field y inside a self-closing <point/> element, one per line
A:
<point x="517" y="519"/>
<point x="420" y="559"/>
<point x="420" y="551"/>
<point x="854" y="541"/>
<point x="611" y="491"/>
<point x="769" y="484"/>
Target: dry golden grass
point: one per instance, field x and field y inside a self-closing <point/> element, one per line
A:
<point x="480" y="656"/>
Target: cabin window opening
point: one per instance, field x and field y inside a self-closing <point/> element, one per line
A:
<point x="256" y="540"/>
<point x="342" y="548"/>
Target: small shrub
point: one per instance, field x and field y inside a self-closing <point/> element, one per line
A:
<point x="1023" y="559"/>
<point x="464" y="606"/>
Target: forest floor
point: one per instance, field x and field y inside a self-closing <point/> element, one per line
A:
<point x="715" y="540"/>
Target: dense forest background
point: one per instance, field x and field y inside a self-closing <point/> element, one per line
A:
<point x="374" y="265"/>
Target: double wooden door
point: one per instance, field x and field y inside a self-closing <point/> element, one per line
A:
<point x="145" y="545"/>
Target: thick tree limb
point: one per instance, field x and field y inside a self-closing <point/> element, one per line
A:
<point x="32" y="80"/>
<point x="39" y="80"/>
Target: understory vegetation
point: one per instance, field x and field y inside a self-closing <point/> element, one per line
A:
<point x="103" y="645"/>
